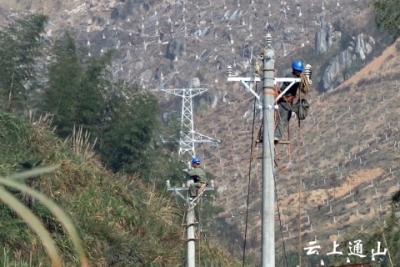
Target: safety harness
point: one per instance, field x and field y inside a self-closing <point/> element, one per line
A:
<point x="300" y="108"/>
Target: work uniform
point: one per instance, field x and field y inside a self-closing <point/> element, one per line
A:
<point x="284" y="105"/>
<point x="199" y="177"/>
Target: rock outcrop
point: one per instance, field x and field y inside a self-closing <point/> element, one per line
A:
<point x="323" y="37"/>
<point x="176" y="47"/>
<point x="347" y="62"/>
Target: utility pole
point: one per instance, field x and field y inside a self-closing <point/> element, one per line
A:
<point x="268" y="106"/>
<point x="188" y="136"/>
<point x="190" y="219"/>
<point x="187" y="140"/>
<point x="268" y="196"/>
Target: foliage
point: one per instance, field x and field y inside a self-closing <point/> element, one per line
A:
<point x="129" y="129"/>
<point x="75" y="90"/>
<point x="121" y="221"/>
<point x="387" y="16"/>
<point x="20" y="49"/>
<point x="124" y="119"/>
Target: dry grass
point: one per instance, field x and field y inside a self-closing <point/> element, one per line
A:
<point x="121" y="221"/>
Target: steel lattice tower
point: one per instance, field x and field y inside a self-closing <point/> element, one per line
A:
<point x="188" y="136"/>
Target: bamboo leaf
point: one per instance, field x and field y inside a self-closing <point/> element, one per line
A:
<point x="34" y="172"/>
<point x="56" y="210"/>
<point x="34" y="223"/>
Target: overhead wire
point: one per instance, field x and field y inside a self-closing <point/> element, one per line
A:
<point x="199" y="232"/>
<point x="248" y="183"/>
<point x="299" y="189"/>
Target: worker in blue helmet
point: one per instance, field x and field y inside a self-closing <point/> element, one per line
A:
<point x="285" y="102"/>
<point x="199" y="177"/>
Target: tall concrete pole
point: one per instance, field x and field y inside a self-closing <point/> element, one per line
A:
<point x="191" y="250"/>
<point x="268" y="199"/>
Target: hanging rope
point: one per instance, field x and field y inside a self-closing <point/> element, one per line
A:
<point x="248" y="183"/>
<point x="277" y="204"/>
<point x="299" y="189"/>
<point x="280" y="223"/>
<point x="199" y="231"/>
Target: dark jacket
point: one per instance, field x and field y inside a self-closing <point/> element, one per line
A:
<point x="198" y="175"/>
<point x="292" y="91"/>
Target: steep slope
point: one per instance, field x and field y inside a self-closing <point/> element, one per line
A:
<point x="349" y="149"/>
<point x="121" y="221"/>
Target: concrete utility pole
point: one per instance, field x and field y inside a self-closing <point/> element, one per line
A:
<point x="268" y="196"/>
<point x="268" y="105"/>
<point x="190" y="219"/>
<point x="188" y="136"/>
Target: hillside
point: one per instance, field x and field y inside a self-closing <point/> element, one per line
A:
<point x="121" y="221"/>
<point x="163" y="44"/>
<point x="349" y="152"/>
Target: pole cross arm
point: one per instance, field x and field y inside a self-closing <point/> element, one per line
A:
<point x="244" y="81"/>
<point x="182" y="92"/>
<point x="201" y="138"/>
<point x="292" y="82"/>
<point x="178" y="189"/>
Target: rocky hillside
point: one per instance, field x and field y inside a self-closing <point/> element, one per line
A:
<point x="164" y="44"/>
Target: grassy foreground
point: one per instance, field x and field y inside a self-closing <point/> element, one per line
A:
<point x="121" y="221"/>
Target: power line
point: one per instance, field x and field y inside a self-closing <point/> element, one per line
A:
<point x="248" y="184"/>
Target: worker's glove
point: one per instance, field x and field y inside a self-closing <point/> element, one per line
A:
<point x="185" y="170"/>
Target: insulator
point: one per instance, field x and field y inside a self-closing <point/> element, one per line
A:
<point x="268" y="38"/>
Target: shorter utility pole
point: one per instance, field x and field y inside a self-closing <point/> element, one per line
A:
<point x="190" y="218"/>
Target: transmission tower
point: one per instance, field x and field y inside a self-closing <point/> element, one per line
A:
<point x="188" y="136"/>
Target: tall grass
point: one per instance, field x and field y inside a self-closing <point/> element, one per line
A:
<point x="119" y="221"/>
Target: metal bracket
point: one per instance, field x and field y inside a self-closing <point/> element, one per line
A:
<point x="272" y="107"/>
<point x="243" y="80"/>
<point x="178" y="190"/>
<point x="251" y="90"/>
<point x="292" y="82"/>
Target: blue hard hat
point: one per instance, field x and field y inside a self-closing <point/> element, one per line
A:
<point x="298" y="65"/>
<point x="195" y="160"/>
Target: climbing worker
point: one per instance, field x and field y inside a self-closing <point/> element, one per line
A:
<point x="199" y="177"/>
<point x="286" y="101"/>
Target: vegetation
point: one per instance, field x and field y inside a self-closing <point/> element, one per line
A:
<point x="387" y="16"/>
<point x="122" y="221"/>
<point x="19" y="52"/>
<point x="106" y="140"/>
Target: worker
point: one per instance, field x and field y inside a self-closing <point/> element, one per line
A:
<point x="286" y="101"/>
<point x="199" y="177"/>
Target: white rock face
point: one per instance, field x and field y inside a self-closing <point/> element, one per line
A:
<point x="359" y="47"/>
<point x="195" y="82"/>
<point x="323" y="37"/>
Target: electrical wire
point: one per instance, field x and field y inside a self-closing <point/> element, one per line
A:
<point x="299" y="188"/>
<point x="199" y="232"/>
<point x="249" y="180"/>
